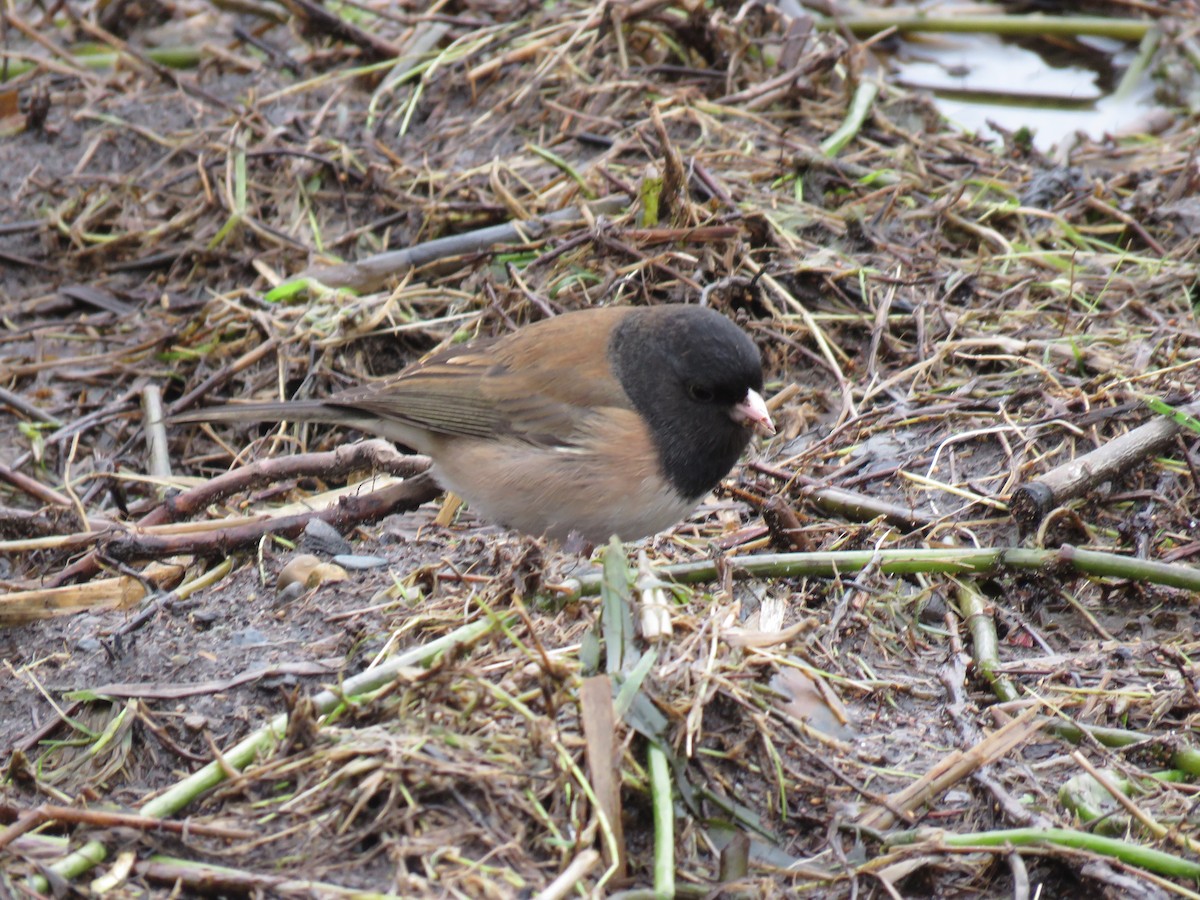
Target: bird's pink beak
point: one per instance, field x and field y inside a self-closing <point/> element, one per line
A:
<point x="752" y="411"/>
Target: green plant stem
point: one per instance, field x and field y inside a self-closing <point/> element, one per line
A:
<point x="1132" y="854"/>
<point x="664" y="822"/>
<point x="1186" y="759"/>
<point x="1092" y="563"/>
<point x="986" y="646"/>
<point x="174" y="57"/>
<point x="1141" y="63"/>
<point x="568" y="169"/>
<point x="860" y="108"/>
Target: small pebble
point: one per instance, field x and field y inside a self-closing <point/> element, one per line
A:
<point x="293" y="591"/>
<point x="357" y="561"/>
<point x="249" y="637"/>
<point x="205" y="618"/>
<point x="321" y="537"/>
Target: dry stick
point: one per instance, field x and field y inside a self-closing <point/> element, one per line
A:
<point x="315" y="19"/>
<point x="828" y="349"/>
<point x="954" y="768"/>
<point x="39" y="523"/>
<point x="609" y="238"/>
<point x="63" y="713"/>
<point x="348" y="511"/>
<point x="1009" y="26"/>
<point x="205" y="879"/>
<point x="787" y="533"/>
<point x="49" y="812"/>
<point x="156" y="433"/>
<point x="88" y="566"/>
<point x="114" y="408"/>
<point x="219" y="377"/>
<point x="373" y="454"/>
<point x="699" y="234"/>
<point x="154" y="690"/>
<point x="572" y="876"/>
<point x="125" y="354"/>
<point x="599" y="731"/>
<point x="208" y="879"/>
<point x="849" y="504"/>
<point x="163" y="600"/>
<point x="34" y="35"/>
<point x="1095" y="203"/>
<point x="122" y="591"/>
<point x="1032" y="502"/>
<point x="34" y="488"/>
<point x="673" y="197"/>
<point x="373" y="272"/>
<point x="862" y="508"/>
<point x="187" y="85"/>
<point x="20" y="404"/>
<point x="82" y="540"/>
<point x="786" y="80"/>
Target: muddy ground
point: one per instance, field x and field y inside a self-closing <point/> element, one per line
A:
<point x="942" y="320"/>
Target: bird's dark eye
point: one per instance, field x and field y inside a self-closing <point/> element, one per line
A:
<point x="700" y="393"/>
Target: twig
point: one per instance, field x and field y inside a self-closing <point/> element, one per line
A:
<point x="571" y="877"/>
<point x="954" y="768"/>
<point x="318" y="20"/>
<point x="346" y="513"/>
<point x="34" y="488"/>
<point x="1032" y="502"/>
<point x="376" y="454"/>
<point x="156" y="433"/>
<point x="219" y="377"/>
<point x="373" y="272"/>
<point x="49" y="812"/>
<point x="19" y="403"/>
<point x="600" y="735"/>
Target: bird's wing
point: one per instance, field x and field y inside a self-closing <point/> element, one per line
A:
<point x="539" y="385"/>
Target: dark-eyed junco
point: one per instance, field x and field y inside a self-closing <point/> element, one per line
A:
<point x="597" y="422"/>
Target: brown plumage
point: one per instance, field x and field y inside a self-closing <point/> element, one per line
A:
<point x="597" y="422"/>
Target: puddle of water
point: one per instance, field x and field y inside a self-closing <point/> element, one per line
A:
<point x="979" y="77"/>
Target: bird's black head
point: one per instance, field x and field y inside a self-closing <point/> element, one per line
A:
<point x="685" y="369"/>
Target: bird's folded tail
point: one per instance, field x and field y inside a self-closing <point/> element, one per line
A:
<point x="276" y="411"/>
<point x="404" y="433"/>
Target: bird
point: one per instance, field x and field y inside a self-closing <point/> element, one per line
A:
<point x="593" y="423"/>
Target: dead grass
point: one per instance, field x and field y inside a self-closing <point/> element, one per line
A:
<point x="944" y="321"/>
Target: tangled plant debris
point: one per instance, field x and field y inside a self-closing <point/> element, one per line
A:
<point x="852" y="669"/>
